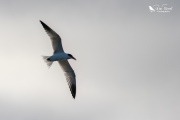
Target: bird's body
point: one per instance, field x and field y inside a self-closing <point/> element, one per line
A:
<point x="59" y="56"/>
<point x="62" y="57"/>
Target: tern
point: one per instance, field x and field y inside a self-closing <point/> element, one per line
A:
<point x="151" y="9"/>
<point x="62" y="58"/>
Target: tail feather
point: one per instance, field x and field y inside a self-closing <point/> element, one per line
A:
<point x="48" y="62"/>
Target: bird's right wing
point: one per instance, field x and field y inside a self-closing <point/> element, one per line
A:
<point x="70" y="76"/>
<point x="55" y="38"/>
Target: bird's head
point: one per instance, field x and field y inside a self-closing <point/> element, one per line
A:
<point x="71" y="57"/>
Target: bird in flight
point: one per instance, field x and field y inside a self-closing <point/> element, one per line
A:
<point x="62" y="58"/>
<point x="151" y="9"/>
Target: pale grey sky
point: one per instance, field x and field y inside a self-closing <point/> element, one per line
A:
<point x="128" y="60"/>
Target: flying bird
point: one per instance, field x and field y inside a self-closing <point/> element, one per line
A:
<point x="62" y="58"/>
<point x="151" y="9"/>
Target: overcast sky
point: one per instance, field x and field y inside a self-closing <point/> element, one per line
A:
<point x="127" y="68"/>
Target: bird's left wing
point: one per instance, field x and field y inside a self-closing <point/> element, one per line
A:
<point x="70" y="76"/>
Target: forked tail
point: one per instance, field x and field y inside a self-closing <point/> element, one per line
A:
<point x="48" y="62"/>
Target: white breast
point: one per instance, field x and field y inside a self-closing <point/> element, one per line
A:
<point x="59" y="56"/>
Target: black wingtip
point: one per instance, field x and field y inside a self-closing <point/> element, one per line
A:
<point x="40" y="21"/>
<point x="73" y="91"/>
<point x="74" y="95"/>
<point x="46" y="27"/>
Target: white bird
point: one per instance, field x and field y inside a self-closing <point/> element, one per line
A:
<point x="151" y="9"/>
<point x="62" y="57"/>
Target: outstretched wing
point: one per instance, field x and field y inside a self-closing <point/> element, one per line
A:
<point x="55" y="38"/>
<point x="70" y="76"/>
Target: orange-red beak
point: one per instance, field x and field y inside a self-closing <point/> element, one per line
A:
<point x="73" y="58"/>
